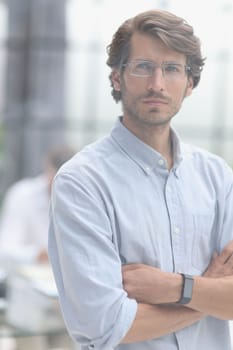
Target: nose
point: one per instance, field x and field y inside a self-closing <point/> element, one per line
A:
<point x="156" y="82"/>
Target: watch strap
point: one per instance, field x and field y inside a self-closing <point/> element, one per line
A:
<point x="187" y="289"/>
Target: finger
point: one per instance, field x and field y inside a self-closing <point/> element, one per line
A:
<point x="130" y="267"/>
<point x="226" y="252"/>
<point x="215" y="255"/>
<point x="229" y="246"/>
<point x="229" y="260"/>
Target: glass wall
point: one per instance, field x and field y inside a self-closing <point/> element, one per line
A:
<point x="32" y="62"/>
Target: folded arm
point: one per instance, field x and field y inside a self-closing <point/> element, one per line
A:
<point x="154" y="321"/>
<point x="157" y="291"/>
<point x="213" y="292"/>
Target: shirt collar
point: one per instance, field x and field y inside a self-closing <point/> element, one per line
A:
<point x="142" y="154"/>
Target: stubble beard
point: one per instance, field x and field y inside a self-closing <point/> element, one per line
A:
<point x="151" y="117"/>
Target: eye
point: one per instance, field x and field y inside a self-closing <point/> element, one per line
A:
<point x="143" y="65"/>
<point x="142" y="68"/>
<point x="172" y="68"/>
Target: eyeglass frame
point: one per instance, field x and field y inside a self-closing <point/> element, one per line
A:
<point x="187" y="69"/>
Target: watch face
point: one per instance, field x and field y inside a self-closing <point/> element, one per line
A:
<point x="187" y="289"/>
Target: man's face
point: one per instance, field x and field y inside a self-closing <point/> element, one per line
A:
<point x="152" y="100"/>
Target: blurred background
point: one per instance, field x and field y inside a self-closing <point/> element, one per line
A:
<point x="54" y="81"/>
<point x="54" y="86"/>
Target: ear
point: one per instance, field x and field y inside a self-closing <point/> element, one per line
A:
<point x="189" y="87"/>
<point x="116" y="79"/>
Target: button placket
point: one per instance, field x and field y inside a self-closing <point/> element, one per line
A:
<point x="176" y="229"/>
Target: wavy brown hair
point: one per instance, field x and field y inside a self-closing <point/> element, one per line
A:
<point x="174" y="31"/>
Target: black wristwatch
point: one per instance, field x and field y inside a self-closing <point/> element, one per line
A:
<point x="187" y="289"/>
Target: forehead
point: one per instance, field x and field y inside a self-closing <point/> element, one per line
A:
<point x="152" y="48"/>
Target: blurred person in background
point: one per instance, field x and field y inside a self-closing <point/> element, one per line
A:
<point x="141" y="234"/>
<point x="24" y="213"/>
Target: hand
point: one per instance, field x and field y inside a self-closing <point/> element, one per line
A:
<point x="42" y="257"/>
<point x="148" y="284"/>
<point x="221" y="265"/>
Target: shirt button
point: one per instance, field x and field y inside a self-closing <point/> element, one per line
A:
<point x="161" y="162"/>
<point x="177" y="230"/>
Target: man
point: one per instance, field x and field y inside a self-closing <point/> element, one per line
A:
<point x="141" y="224"/>
<point x="24" y="217"/>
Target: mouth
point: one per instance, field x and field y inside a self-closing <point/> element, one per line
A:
<point x="154" y="102"/>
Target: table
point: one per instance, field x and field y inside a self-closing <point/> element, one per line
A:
<point x="25" y="339"/>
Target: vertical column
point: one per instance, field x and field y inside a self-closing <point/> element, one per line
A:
<point x="34" y="111"/>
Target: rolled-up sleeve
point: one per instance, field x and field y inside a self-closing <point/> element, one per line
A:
<point x="225" y="206"/>
<point x="86" y="265"/>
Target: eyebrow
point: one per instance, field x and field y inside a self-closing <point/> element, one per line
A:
<point x="166" y="62"/>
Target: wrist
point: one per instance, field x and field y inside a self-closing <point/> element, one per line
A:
<point x="176" y="287"/>
<point x="168" y="289"/>
<point x="187" y="289"/>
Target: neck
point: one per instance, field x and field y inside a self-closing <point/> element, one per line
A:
<point x="158" y="137"/>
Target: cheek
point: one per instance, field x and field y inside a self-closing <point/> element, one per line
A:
<point x="188" y="88"/>
<point x="178" y="94"/>
<point x="133" y="86"/>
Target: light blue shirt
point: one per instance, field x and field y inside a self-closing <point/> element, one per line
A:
<point x="115" y="202"/>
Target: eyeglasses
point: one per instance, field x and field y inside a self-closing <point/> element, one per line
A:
<point x="144" y="69"/>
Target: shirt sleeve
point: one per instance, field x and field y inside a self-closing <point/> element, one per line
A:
<point x="226" y="205"/>
<point x="86" y="266"/>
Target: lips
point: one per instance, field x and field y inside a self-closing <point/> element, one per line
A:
<point x="154" y="101"/>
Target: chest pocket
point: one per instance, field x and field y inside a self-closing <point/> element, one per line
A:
<point x="203" y="240"/>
